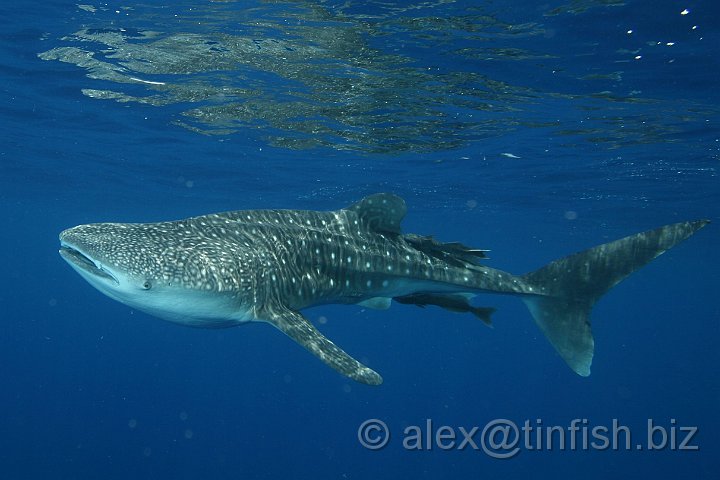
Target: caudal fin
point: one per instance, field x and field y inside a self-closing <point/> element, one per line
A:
<point x="569" y="287"/>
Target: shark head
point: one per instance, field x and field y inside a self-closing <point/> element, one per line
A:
<point x="151" y="268"/>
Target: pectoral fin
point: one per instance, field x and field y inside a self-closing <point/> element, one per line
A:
<point x="297" y="327"/>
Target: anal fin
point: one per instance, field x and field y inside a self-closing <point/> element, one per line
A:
<point x="377" y="303"/>
<point x="297" y="327"/>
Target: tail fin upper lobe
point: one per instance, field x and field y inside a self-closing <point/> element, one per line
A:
<point x="570" y="286"/>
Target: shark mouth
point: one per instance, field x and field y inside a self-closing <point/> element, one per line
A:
<point x="78" y="259"/>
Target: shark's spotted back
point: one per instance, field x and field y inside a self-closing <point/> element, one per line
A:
<point x="266" y="265"/>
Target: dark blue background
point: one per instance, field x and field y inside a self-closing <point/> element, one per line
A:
<point x="92" y="389"/>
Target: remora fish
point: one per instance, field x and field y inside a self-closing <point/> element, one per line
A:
<point x="226" y="269"/>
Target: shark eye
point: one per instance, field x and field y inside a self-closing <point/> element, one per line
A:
<point x="147" y="285"/>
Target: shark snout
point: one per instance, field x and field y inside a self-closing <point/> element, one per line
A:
<point x="74" y="251"/>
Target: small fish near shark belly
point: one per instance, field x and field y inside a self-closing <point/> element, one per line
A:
<point x="265" y="265"/>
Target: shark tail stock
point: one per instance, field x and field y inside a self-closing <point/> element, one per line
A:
<point x="569" y="287"/>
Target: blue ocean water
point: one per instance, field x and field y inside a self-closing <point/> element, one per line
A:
<point x="534" y="130"/>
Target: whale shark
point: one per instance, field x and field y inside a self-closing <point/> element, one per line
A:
<point x="232" y="268"/>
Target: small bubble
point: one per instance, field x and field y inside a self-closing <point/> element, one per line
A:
<point x="52" y="302"/>
<point x="347" y="388"/>
<point x="287" y="378"/>
<point x="189" y="434"/>
<point x="322" y="320"/>
<point x="189" y="184"/>
<point x="147" y="451"/>
<point x="183" y="416"/>
<point x="571" y="215"/>
<point x="471" y="204"/>
<point x="132" y="423"/>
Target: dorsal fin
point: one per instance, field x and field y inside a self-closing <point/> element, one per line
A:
<point x="381" y="212"/>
